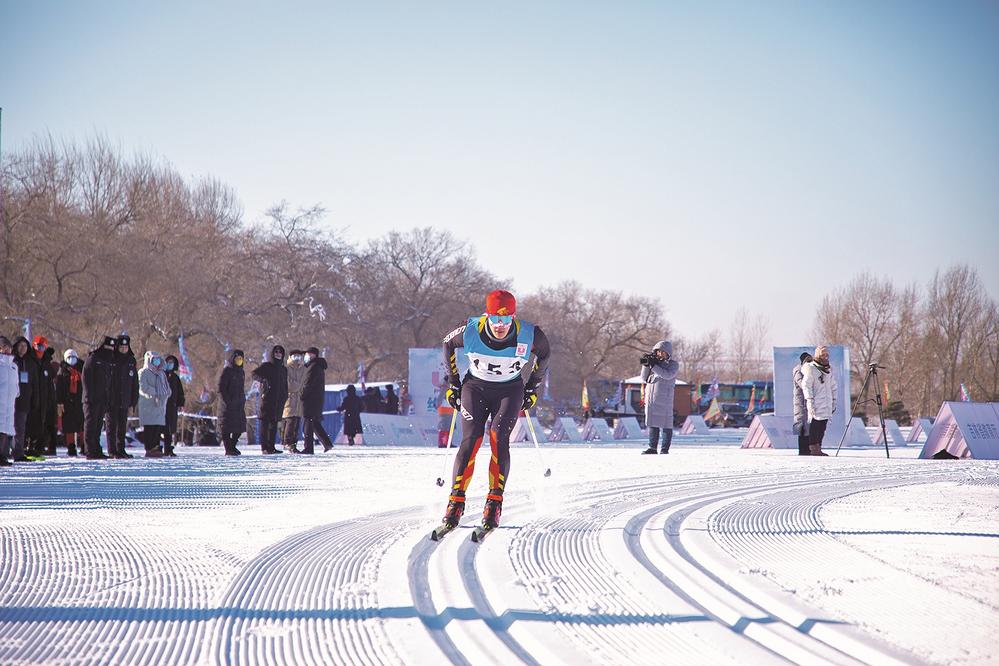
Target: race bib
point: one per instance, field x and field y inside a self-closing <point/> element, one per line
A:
<point x="494" y="368"/>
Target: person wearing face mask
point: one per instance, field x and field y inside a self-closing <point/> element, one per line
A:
<point x="273" y="378"/>
<point x="69" y="398"/>
<point x="174" y="404"/>
<point x="500" y="348"/>
<point x="124" y="396"/>
<point x="293" y="407"/>
<point x="9" y="390"/>
<point x="313" y="396"/>
<point x="232" y="402"/>
<point x="154" y="391"/>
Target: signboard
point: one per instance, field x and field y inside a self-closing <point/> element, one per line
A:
<point x="428" y="376"/>
<point x="965" y="430"/>
<point x="388" y="429"/>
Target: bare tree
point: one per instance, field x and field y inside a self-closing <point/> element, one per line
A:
<point x="956" y="302"/>
<point x="594" y="334"/>
<point x="699" y="357"/>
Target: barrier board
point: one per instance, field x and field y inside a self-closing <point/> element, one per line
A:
<point x="565" y="430"/>
<point x="389" y="429"/>
<point x="771" y="431"/>
<point x="895" y="436"/>
<point x="921" y="428"/>
<point x="695" y="425"/>
<point x="521" y="433"/>
<point x="965" y="430"/>
<point x="627" y="428"/>
<point x="597" y="428"/>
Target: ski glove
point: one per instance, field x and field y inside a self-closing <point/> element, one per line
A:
<point x="530" y="398"/>
<point x="453" y="395"/>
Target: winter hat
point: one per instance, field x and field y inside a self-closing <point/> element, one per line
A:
<point x="313" y="350"/>
<point x="124" y="340"/>
<point x="500" y="302"/>
<point x="41" y="339"/>
<point x="69" y="352"/>
<point x="110" y="342"/>
<point x="805" y="356"/>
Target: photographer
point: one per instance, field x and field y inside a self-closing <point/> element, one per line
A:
<point x="659" y="372"/>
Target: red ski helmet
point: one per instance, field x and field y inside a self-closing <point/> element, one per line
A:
<point x="500" y="302"/>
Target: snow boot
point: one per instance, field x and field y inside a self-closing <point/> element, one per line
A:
<point x="4" y="462"/>
<point x="154" y="453"/>
<point x="97" y="455"/>
<point x="455" y="508"/>
<point x="71" y="451"/>
<point x="494" y="507"/>
<point x="649" y="450"/>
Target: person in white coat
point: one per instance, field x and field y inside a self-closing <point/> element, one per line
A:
<point x="818" y="385"/>
<point x="154" y="391"/>
<point x="9" y="390"/>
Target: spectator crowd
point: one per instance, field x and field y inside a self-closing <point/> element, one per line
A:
<point x="45" y="403"/>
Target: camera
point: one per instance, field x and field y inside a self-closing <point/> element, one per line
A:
<point x="649" y="359"/>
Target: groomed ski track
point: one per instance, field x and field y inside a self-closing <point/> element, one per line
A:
<point x="647" y="570"/>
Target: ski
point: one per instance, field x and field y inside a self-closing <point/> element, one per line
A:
<point x="480" y="533"/>
<point x="441" y="531"/>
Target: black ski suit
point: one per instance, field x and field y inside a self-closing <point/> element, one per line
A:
<point x="482" y="399"/>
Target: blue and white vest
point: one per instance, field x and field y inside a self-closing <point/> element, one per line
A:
<point x="497" y="365"/>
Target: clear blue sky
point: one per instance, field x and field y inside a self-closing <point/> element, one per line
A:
<point x="712" y="155"/>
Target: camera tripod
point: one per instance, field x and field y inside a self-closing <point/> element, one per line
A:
<point x="872" y="371"/>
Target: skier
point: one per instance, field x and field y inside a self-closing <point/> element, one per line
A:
<point x="499" y="347"/>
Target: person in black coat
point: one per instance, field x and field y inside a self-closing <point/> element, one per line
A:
<point x="232" y="402"/>
<point x="98" y="384"/>
<point x="124" y="396"/>
<point x="44" y="440"/>
<point x="313" y="399"/>
<point x="273" y="378"/>
<point x="351" y="408"/>
<point x="27" y="399"/>
<point x="174" y="404"/>
<point x="69" y="398"/>
<point x="373" y="403"/>
<point x="391" y="401"/>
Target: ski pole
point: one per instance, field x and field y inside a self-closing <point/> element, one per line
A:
<point x="447" y="458"/>
<point x="537" y="447"/>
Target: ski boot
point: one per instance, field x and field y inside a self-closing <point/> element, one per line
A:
<point x="455" y="509"/>
<point x="490" y="515"/>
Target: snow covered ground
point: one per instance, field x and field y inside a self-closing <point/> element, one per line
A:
<point x="709" y="555"/>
